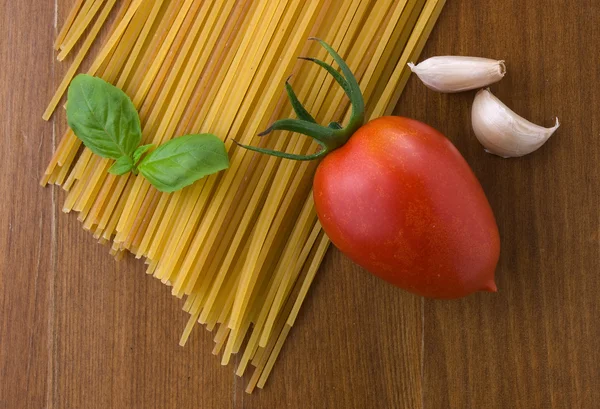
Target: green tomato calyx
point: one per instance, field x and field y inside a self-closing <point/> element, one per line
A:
<point x="329" y="137"/>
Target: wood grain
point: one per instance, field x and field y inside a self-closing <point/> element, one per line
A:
<point x="535" y="344"/>
<point x="79" y="330"/>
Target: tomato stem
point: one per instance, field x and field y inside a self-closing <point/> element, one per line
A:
<point x="332" y="136"/>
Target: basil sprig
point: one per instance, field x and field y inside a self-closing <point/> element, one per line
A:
<point x="183" y="160"/>
<point x="106" y="121"/>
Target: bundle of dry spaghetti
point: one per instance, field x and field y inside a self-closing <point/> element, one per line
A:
<point x="243" y="245"/>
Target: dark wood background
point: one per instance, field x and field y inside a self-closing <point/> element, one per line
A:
<point x="79" y="330"/>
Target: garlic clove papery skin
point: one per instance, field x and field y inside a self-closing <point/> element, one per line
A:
<point x="501" y="131"/>
<point x="458" y="73"/>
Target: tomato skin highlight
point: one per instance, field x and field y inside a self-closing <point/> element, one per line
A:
<point x="400" y="200"/>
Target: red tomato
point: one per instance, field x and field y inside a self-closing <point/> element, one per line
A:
<point x="402" y="202"/>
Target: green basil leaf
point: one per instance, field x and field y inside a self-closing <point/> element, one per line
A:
<point x="121" y="166"/>
<point x="140" y="151"/>
<point x="103" y="117"/>
<point x="182" y="161"/>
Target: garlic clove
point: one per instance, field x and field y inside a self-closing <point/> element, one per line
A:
<point x="501" y="131"/>
<point x="458" y="73"/>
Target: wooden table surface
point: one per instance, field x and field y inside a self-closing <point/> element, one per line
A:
<point x="79" y="330"/>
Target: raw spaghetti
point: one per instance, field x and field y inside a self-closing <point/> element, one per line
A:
<point x="244" y="245"/>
